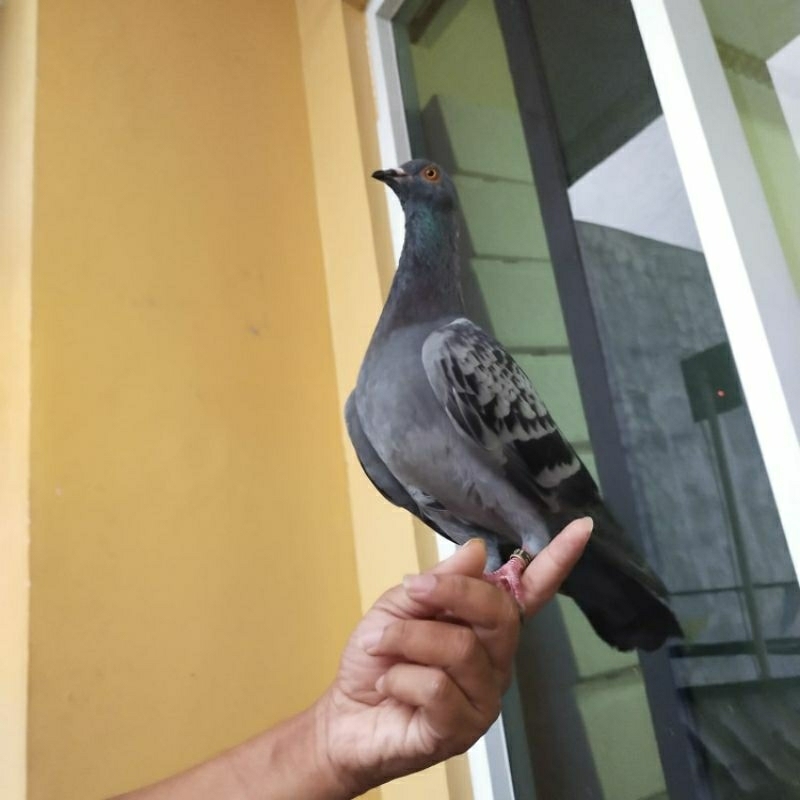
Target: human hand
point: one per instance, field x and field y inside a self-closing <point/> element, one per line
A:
<point x="422" y="676"/>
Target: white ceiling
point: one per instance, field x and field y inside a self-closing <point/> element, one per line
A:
<point x="639" y="189"/>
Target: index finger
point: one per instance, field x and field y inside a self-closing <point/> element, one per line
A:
<point x="490" y="612"/>
<point x="542" y="579"/>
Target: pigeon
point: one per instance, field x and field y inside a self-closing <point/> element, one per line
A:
<point x="448" y="426"/>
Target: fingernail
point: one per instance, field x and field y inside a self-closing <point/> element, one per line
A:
<point x="419" y="584"/>
<point x="379" y="684"/>
<point x="370" y="640"/>
<point x="587" y="527"/>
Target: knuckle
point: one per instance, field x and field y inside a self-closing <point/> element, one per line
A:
<point x="439" y="686"/>
<point x="397" y="632"/>
<point x="465" y="646"/>
<point x="389" y="597"/>
<point x="459" y="586"/>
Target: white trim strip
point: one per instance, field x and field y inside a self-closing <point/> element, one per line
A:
<point x="393" y="141"/>
<point x="754" y="288"/>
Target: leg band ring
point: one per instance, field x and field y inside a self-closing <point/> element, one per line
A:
<point x="523" y="556"/>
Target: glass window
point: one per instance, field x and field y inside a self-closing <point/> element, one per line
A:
<point x="580" y="253"/>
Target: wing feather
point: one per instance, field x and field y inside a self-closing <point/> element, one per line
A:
<point x="491" y="401"/>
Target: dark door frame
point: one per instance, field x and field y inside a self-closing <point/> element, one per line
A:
<point x="683" y="771"/>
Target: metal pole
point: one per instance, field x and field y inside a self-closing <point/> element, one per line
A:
<point x="726" y="482"/>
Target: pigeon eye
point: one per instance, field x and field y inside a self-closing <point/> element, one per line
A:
<point x="431" y="174"/>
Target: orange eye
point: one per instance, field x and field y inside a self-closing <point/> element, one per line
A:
<point x="431" y="174"/>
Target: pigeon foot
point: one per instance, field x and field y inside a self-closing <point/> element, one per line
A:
<point x="509" y="576"/>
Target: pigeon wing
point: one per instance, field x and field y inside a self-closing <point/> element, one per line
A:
<point x="491" y="401"/>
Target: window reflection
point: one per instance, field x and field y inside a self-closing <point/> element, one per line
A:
<point x="704" y="512"/>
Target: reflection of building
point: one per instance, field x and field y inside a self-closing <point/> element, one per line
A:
<point x="657" y="309"/>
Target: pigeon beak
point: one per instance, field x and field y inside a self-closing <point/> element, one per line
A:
<point x="389" y="176"/>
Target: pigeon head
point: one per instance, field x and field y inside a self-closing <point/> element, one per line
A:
<point x="428" y="266"/>
<point x="420" y="183"/>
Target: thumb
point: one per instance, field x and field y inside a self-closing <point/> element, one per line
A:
<point x="551" y="566"/>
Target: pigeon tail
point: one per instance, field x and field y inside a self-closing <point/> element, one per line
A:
<point x="624" y="612"/>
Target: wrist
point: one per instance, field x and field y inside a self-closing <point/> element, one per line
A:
<point x="342" y="775"/>
<point x="291" y="760"/>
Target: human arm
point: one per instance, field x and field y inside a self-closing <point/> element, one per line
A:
<point x="420" y="680"/>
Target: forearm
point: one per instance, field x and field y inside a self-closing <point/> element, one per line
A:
<point x="284" y="763"/>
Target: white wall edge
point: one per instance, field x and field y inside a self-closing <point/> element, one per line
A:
<point x="490" y="770"/>
<point x="393" y="139"/>
<point x="754" y="289"/>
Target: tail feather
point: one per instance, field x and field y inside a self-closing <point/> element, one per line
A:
<point x="619" y="594"/>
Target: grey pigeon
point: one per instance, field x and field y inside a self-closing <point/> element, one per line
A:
<point x="447" y="426"/>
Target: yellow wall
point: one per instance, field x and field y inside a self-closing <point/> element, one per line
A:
<point x="17" y="75"/>
<point x="192" y="562"/>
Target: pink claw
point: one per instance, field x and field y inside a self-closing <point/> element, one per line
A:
<point x="509" y="577"/>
